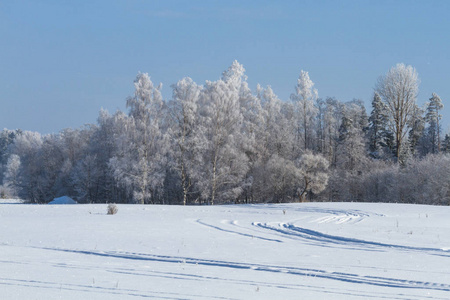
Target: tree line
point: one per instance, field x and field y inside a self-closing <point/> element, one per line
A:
<point x="224" y="143"/>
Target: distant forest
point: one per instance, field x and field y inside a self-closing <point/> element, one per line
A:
<point x="222" y="143"/>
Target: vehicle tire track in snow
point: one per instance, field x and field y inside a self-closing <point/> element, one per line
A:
<point x="308" y="272"/>
<point x="323" y="239"/>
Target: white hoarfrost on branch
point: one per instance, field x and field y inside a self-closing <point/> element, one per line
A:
<point x="399" y="89"/>
<point x="184" y="121"/>
<point x="140" y="165"/>
<point x="313" y="174"/>
<point x="304" y="99"/>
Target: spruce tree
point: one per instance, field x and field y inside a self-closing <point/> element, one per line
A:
<point x="432" y="118"/>
<point x="379" y="136"/>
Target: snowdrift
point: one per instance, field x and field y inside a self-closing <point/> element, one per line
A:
<point x="11" y="201"/>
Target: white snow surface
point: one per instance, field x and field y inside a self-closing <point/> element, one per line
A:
<point x="63" y="200"/>
<point x="283" y="251"/>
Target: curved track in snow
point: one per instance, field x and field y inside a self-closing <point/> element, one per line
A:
<point x="288" y="251"/>
<point x="323" y="239"/>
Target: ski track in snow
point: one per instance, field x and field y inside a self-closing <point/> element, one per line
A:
<point x="337" y="216"/>
<point x="93" y="288"/>
<point x="304" y="272"/>
<point x="98" y="289"/>
<point x="236" y="232"/>
<point x="290" y="231"/>
<point x="327" y="240"/>
<point x="363" y="281"/>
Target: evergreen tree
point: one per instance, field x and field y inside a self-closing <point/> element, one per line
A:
<point x="446" y="144"/>
<point x="416" y="136"/>
<point x="334" y="111"/>
<point x="379" y="136"/>
<point x="433" y="117"/>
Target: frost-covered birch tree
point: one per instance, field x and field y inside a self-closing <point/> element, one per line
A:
<point x="28" y="147"/>
<point x="399" y="89"/>
<point x="138" y="165"/>
<point x="101" y="148"/>
<point x="183" y="112"/>
<point x="12" y="174"/>
<point x="6" y="139"/>
<point x="276" y="139"/>
<point x="85" y="177"/>
<point x="251" y="127"/>
<point x="304" y="98"/>
<point x="220" y="163"/>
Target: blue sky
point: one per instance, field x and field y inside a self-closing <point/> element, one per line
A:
<point x="61" y="61"/>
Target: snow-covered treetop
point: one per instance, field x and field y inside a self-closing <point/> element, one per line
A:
<point x="234" y="74"/>
<point x="145" y="95"/>
<point x="304" y="88"/>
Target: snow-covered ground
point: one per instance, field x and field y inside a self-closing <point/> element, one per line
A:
<point x="289" y="251"/>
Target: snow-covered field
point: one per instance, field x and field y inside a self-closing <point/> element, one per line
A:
<point x="289" y="251"/>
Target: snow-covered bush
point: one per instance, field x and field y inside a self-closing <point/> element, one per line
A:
<point x="5" y="192"/>
<point x="112" y="209"/>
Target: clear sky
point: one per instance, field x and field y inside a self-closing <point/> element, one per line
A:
<point x="61" y="61"/>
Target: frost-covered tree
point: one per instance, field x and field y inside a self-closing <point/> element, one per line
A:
<point x="220" y="163"/>
<point x="183" y="111"/>
<point x="55" y="167"/>
<point x="11" y="177"/>
<point x="399" y="89"/>
<point x="313" y="174"/>
<point x="426" y="181"/>
<point x="139" y="163"/>
<point x="304" y="99"/>
<point x="251" y="127"/>
<point x="350" y="155"/>
<point x="276" y="137"/>
<point x="85" y="179"/>
<point x="6" y="139"/>
<point x="351" y="152"/>
<point x="28" y="147"/>
<point x="379" y="181"/>
<point x="223" y="143"/>
<point x="332" y="118"/>
<point x="72" y="145"/>
<point x="283" y="177"/>
<point x="101" y="148"/>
